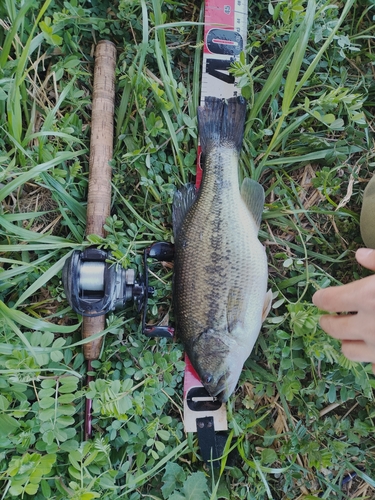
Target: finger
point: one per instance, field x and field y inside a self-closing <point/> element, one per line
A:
<point x="349" y="327"/>
<point x="352" y="297"/>
<point x="337" y="298"/>
<point x="366" y="257"/>
<point x="358" y="351"/>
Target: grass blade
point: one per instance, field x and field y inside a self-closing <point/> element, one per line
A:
<point x="13" y="31"/>
<point x="26" y="235"/>
<point x="347" y="6"/>
<point x="33" y="323"/>
<point x="73" y="205"/>
<point x="299" y="54"/>
<point x="42" y="280"/>
<point x="179" y="450"/>
<point x="35" y="171"/>
<point x="273" y="82"/>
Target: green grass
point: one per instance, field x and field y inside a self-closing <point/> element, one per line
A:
<point x="303" y="416"/>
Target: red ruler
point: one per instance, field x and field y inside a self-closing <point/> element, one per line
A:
<point x="225" y="33"/>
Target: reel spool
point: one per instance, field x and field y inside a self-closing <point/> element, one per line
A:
<point x="94" y="286"/>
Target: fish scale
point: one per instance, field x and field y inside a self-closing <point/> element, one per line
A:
<point x="220" y="272"/>
<point x="225" y="233"/>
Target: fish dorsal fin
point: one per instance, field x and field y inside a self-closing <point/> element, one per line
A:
<point x="267" y="304"/>
<point x="182" y="201"/>
<point x="253" y="195"/>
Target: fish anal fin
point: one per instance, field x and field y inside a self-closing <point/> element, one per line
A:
<point x="267" y="304"/>
<point x="183" y="199"/>
<point x="252" y="194"/>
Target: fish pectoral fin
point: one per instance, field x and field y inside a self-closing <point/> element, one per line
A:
<point x="183" y="199"/>
<point x="235" y="313"/>
<point x="252" y="194"/>
<point x="267" y="304"/>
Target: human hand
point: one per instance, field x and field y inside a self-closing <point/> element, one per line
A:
<point x="356" y="331"/>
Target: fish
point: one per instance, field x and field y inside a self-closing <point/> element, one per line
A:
<point x="220" y="266"/>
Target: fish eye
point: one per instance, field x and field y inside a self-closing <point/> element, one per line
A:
<point x="207" y="378"/>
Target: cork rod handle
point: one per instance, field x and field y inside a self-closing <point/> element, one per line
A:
<point x="100" y="172"/>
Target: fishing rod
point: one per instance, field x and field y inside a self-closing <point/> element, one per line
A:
<point x="99" y="195"/>
<point x="94" y="285"/>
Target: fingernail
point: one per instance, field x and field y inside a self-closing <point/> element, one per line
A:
<point x="314" y="297"/>
<point x="364" y="252"/>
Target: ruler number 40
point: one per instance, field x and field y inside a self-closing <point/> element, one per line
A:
<point x="226" y="43"/>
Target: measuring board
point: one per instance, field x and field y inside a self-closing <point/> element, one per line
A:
<point x="225" y="34"/>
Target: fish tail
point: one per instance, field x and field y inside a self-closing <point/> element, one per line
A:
<point x="221" y="122"/>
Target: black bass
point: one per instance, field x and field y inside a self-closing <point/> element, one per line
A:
<point x="220" y="269"/>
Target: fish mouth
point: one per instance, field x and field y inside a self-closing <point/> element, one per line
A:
<point x="218" y="390"/>
<point x="221" y="397"/>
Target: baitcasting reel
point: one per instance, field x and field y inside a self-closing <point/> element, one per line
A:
<point x="94" y="286"/>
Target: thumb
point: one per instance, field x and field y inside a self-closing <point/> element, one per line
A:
<point x="366" y="257"/>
